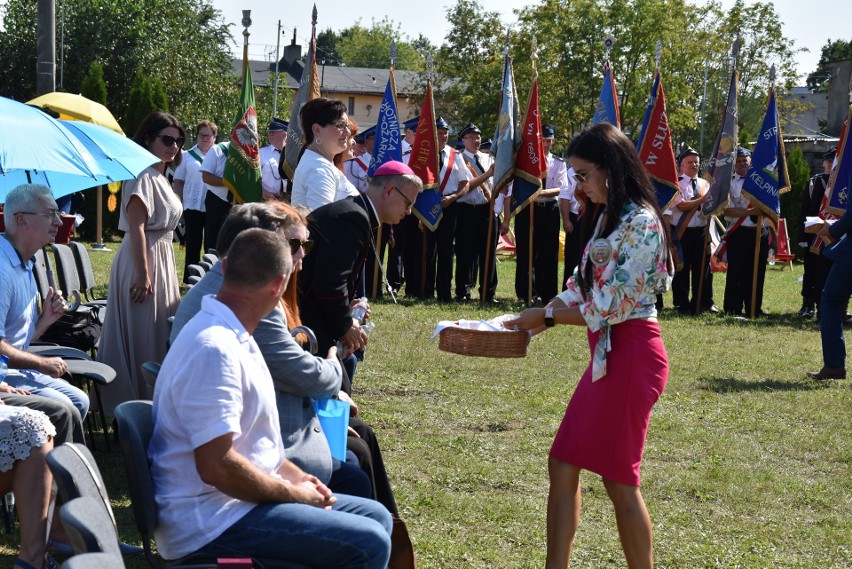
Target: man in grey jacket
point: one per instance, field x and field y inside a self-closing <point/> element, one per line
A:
<point x="297" y="375"/>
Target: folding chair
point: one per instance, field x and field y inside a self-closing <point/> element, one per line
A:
<point x="506" y="245"/>
<point x="783" y="255"/>
<point x="89" y="527"/>
<point x="86" y="274"/>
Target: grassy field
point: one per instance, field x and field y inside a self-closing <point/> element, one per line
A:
<point x="747" y="463"/>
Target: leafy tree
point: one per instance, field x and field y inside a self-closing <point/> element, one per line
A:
<point x="833" y="50"/>
<point x="370" y="47"/>
<point x="158" y="95"/>
<point x="185" y="44"/>
<point x="327" y="47"/>
<point x="799" y="172"/>
<point x="93" y="86"/>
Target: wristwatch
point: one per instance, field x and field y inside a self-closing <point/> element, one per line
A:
<point x="548" y="317"/>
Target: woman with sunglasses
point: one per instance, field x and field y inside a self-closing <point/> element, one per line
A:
<point x="143" y="290"/>
<point x="317" y="181"/>
<point x="612" y="293"/>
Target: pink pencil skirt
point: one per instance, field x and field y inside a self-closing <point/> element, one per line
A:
<point x="606" y="422"/>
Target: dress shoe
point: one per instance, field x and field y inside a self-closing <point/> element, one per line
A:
<point x="806" y="311"/>
<point x="828" y="373"/>
<point x="712" y="309"/>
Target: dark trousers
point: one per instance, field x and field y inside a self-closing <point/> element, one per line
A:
<point x="411" y="237"/>
<point x="813" y="280"/>
<point x="194" y="236"/>
<point x="369" y="454"/>
<point x="445" y="237"/>
<point x="573" y="249"/>
<point x="545" y="250"/>
<point x="394" y="262"/>
<point x="217" y="211"/>
<point x="693" y="245"/>
<point x="832" y="313"/>
<point x="471" y="244"/>
<point x="64" y="418"/>
<point x="381" y="242"/>
<point x="738" y="285"/>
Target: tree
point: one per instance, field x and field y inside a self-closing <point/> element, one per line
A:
<point x="140" y="103"/>
<point x="358" y="46"/>
<point x="327" y="48"/>
<point x="833" y="50"/>
<point x="93" y="86"/>
<point x="185" y="44"/>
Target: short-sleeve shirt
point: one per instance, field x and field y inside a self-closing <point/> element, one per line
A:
<point x="316" y="181"/>
<point x="164" y="207"/>
<point x="214" y="163"/>
<point x="18" y="296"/>
<point x="214" y="381"/>
<point x="567" y="192"/>
<point x="459" y="172"/>
<point x="190" y="172"/>
<point x="687" y="193"/>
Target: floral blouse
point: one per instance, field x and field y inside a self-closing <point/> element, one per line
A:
<point x="625" y="286"/>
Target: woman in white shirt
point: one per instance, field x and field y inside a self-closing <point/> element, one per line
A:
<point x="317" y="181"/>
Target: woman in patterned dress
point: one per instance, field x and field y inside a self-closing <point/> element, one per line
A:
<point x="612" y="293"/>
<point x="143" y="286"/>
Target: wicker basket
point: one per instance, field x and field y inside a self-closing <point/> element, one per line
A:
<point x="484" y="343"/>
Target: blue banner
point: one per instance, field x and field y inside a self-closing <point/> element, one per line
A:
<point x="767" y="177"/>
<point x="507" y="137"/>
<point x="654" y="146"/>
<point x="388" y="145"/>
<point x="607" y="107"/>
<point x="838" y="198"/>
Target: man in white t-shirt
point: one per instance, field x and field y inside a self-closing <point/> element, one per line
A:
<point x="190" y="187"/>
<point x="218" y="199"/>
<point x="221" y="481"/>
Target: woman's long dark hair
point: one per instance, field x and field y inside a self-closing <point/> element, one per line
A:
<point x="608" y="148"/>
<point x="152" y="125"/>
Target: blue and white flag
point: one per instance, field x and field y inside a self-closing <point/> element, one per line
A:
<point x="388" y="145"/>
<point x="607" y="107"/>
<point x="767" y="177"/>
<point x="507" y="137"/>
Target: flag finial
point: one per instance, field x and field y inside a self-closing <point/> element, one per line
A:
<point x="735" y="53"/>
<point x="506" y="43"/>
<point x="772" y="75"/>
<point x="429" y="66"/>
<point x="246" y="20"/>
<point x="393" y="52"/>
<point x="534" y="49"/>
<point x="314" y="16"/>
<point x="609" y="40"/>
<point x="657" y="54"/>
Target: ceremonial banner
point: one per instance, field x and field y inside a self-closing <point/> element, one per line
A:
<point x="507" y="139"/>
<point x="655" y="146"/>
<point x="838" y="193"/>
<point x="424" y="162"/>
<point x="388" y="145"/>
<point x="308" y="91"/>
<point x="767" y="177"/>
<point x="531" y="164"/>
<point x="720" y="167"/>
<point x="607" y="107"/>
<point x="242" y="161"/>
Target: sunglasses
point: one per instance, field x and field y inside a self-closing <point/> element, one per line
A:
<point x="169" y="140"/>
<point x="296" y="244"/>
<point x="581" y="178"/>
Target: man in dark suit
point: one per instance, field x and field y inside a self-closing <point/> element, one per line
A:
<point x="344" y="234"/>
<point x="835" y="296"/>
<point x="816" y="266"/>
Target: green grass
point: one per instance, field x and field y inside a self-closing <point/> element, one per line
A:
<point x="747" y="463"/>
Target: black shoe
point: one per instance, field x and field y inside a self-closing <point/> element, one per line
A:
<point x="806" y="311"/>
<point x="828" y="373"/>
<point x="713" y="309"/>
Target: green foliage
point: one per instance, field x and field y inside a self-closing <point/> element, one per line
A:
<point x="140" y="103"/>
<point x="833" y="50"/>
<point x="158" y="95"/>
<point x="327" y="48"/>
<point x="93" y="86"/>
<point x="186" y="45"/>
<point x="791" y="202"/>
<point x="358" y="46"/>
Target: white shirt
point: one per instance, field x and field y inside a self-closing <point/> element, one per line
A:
<point x="686" y="194"/>
<point x="459" y="172"/>
<point x="476" y="196"/>
<point x="738" y="200"/>
<point x="356" y="171"/>
<point x="213" y="382"/>
<point x="193" y="186"/>
<point x="567" y="192"/>
<point x="317" y="182"/>
<point x="270" y="157"/>
<point x="214" y="163"/>
<point x="557" y="176"/>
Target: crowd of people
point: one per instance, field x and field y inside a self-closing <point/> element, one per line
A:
<point x="257" y="478"/>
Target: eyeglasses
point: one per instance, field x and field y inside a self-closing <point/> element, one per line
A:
<point x="296" y="244"/>
<point x="342" y="125"/>
<point x="202" y="135"/>
<point x="168" y="140"/>
<point x="408" y="202"/>
<point x="581" y="178"/>
<point x="51" y="215"/>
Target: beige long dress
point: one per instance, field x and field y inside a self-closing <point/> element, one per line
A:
<point x="135" y="333"/>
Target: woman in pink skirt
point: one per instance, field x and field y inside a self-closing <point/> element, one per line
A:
<point x="612" y="293"/>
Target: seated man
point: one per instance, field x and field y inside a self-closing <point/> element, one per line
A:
<point x="297" y="375"/>
<point x="222" y="483"/>
<point x="32" y="220"/>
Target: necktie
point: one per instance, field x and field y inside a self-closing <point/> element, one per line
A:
<point x="440" y="162"/>
<point x="694" y="188"/>
<point x="478" y="164"/>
